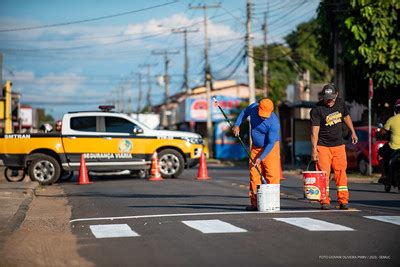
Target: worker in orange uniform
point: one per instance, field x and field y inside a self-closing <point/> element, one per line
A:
<point x="328" y="149"/>
<point x="265" y="151"/>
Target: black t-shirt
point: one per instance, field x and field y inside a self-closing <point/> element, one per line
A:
<point x="330" y="121"/>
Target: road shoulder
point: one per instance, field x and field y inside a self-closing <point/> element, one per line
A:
<point x="44" y="238"/>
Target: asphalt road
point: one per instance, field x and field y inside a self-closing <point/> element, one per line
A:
<point x="186" y="222"/>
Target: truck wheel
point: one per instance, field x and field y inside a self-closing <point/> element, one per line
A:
<point x="14" y="175"/>
<point x="363" y="166"/>
<point x="44" y="169"/>
<point x="171" y="163"/>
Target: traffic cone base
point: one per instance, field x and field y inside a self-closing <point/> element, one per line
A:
<point x="83" y="172"/>
<point x="155" y="174"/>
<point x="203" y="172"/>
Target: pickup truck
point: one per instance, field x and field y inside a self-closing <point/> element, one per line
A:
<point x="110" y="142"/>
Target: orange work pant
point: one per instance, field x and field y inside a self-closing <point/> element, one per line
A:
<point x="336" y="157"/>
<point x="270" y="168"/>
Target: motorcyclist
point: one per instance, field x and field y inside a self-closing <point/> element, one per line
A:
<point x="392" y="126"/>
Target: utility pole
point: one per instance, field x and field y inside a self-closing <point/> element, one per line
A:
<point x="139" y="77"/>
<point x="129" y="84"/>
<point x="207" y="77"/>
<point x="338" y="62"/>
<point x="165" y="53"/>
<point x="121" y="97"/>
<point x="265" y="59"/>
<point x="250" y="60"/>
<point x="370" y="96"/>
<point x="1" y="69"/>
<point x="250" y="54"/>
<point x="148" y="94"/>
<point x="185" y="31"/>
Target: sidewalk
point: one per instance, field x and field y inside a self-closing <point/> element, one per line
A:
<point x="14" y="203"/>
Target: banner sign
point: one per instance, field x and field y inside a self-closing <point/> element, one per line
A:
<point x="196" y="108"/>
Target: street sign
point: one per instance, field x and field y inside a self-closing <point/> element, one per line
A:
<point x="371" y="89"/>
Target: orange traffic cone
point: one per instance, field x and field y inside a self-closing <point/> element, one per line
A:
<point x="155" y="169"/>
<point x="203" y="172"/>
<point x="83" y="172"/>
<point x="282" y="178"/>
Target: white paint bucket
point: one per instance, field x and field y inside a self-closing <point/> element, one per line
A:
<point x="268" y="197"/>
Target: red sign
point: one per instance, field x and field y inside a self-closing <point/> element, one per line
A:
<point x="371" y="89"/>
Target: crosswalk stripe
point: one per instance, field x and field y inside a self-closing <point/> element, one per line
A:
<point x="213" y="226"/>
<point x="112" y="230"/>
<point x="313" y="224"/>
<point x="389" y="219"/>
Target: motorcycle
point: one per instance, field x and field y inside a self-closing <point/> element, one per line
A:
<point x="393" y="179"/>
<point x="393" y="175"/>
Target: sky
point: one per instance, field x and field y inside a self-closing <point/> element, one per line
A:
<point x="76" y="55"/>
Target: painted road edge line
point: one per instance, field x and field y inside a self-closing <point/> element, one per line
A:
<point x="205" y="214"/>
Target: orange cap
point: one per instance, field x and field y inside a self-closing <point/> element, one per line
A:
<point x="265" y="108"/>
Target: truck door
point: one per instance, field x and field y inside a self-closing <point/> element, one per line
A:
<point x="108" y="143"/>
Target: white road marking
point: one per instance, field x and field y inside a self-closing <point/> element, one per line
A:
<point x="112" y="230"/>
<point x="389" y="219"/>
<point x="206" y="214"/>
<point x="213" y="226"/>
<point x="313" y="224"/>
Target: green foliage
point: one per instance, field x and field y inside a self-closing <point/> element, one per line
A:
<point x="285" y="62"/>
<point x="280" y="72"/>
<point x="306" y="51"/>
<point x="44" y="118"/>
<point x="369" y="31"/>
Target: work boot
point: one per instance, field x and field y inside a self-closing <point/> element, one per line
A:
<point x="344" y="206"/>
<point x="325" y="207"/>
<point x="251" y="208"/>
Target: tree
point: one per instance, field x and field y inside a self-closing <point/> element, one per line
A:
<point x="368" y="30"/>
<point x="286" y="62"/>
<point x="307" y="53"/>
<point x="280" y="73"/>
<point x="44" y="118"/>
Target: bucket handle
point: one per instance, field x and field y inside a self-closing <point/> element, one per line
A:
<point x="309" y="163"/>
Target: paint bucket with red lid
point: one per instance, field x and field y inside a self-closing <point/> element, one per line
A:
<point x="314" y="184"/>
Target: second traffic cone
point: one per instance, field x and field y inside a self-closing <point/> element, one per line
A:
<point x="155" y="174"/>
<point x="203" y="172"/>
<point x="83" y="172"/>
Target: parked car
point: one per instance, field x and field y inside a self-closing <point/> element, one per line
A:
<point x="357" y="155"/>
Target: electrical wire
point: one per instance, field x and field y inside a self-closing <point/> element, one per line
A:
<point x="87" y="20"/>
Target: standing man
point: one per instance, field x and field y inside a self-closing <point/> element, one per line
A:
<point x="265" y="149"/>
<point x="328" y="147"/>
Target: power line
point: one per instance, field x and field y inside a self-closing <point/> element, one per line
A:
<point x="87" y="20"/>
